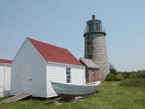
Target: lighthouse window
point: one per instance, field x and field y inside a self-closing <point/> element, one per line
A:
<point x="68" y="75"/>
<point x="89" y="27"/>
<point x="90" y="56"/>
<point x="91" y="47"/>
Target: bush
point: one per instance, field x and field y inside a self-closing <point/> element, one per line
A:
<point x="124" y="76"/>
<point x="133" y="82"/>
<point x="137" y="75"/>
<point x="141" y="74"/>
<point x="118" y="78"/>
<point x="112" y="77"/>
<point x="133" y="74"/>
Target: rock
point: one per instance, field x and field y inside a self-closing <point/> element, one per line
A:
<point x="57" y="103"/>
<point x="81" y="100"/>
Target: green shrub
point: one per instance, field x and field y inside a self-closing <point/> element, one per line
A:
<point x="108" y="75"/>
<point x="141" y="74"/>
<point x="133" y="75"/>
<point x="133" y="82"/>
<point x="137" y="75"/>
<point x="118" y="78"/>
<point x="124" y="76"/>
<point x="112" y="77"/>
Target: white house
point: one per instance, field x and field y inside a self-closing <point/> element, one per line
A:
<point x="5" y="77"/>
<point x="38" y="63"/>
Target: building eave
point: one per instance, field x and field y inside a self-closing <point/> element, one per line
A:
<point x="64" y="64"/>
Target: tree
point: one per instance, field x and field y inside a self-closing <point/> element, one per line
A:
<point x="112" y="69"/>
<point x="111" y="66"/>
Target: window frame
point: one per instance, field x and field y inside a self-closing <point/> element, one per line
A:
<point x="68" y="75"/>
<point x="93" y="73"/>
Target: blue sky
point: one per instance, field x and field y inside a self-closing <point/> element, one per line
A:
<point x="61" y="23"/>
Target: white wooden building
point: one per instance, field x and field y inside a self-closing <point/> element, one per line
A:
<point x="5" y="77"/>
<point x="38" y="63"/>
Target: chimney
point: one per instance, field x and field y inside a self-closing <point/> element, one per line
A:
<point x="93" y="17"/>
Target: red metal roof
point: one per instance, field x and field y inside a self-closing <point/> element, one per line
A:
<point x="120" y="74"/>
<point x="54" y="54"/>
<point x="5" y="61"/>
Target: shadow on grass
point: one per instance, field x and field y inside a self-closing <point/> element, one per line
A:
<point x="53" y="98"/>
<point x="43" y="99"/>
<point x="38" y="98"/>
<point x="65" y="99"/>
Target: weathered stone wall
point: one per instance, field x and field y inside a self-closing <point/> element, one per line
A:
<point x="97" y="51"/>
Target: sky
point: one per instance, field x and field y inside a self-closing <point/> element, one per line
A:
<point x="62" y="23"/>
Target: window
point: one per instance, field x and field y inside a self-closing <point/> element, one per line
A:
<point x="93" y="73"/>
<point x="90" y="27"/>
<point x="68" y="75"/>
<point x="90" y="56"/>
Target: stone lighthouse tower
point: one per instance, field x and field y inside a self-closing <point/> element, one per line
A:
<point x="95" y="45"/>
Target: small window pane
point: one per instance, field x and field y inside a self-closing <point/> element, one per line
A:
<point x="68" y="73"/>
<point x="68" y="77"/>
<point x="68" y="81"/>
<point x="68" y="69"/>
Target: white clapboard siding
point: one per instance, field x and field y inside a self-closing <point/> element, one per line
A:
<point x="78" y="75"/>
<point x="57" y="72"/>
<point x="7" y="80"/>
<point x="5" y="69"/>
<point x="28" y="54"/>
<point x="54" y="73"/>
<point x="1" y="79"/>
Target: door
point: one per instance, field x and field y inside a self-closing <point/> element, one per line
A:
<point x="26" y="78"/>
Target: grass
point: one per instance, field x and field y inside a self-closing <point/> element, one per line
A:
<point x="109" y="96"/>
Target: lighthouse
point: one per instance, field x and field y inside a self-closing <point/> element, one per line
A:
<point x="95" y="46"/>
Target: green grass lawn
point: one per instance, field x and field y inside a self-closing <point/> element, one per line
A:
<point x="109" y="96"/>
